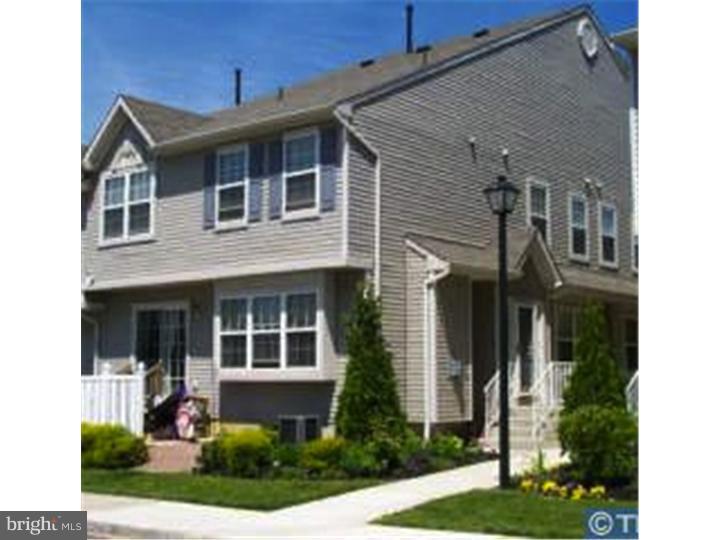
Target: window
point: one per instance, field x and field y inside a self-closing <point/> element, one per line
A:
<point x="268" y="331"/>
<point x="230" y="186"/>
<point x="631" y="345"/>
<point x="233" y="332"/>
<point x="608" y="235"/>
<point x="301" y="334"/>
<point x="578" y="227"/>
<point x="298" y="429"/>
<point x="127" y="205"/>
<point x="301" y="182"/>
<point x="539" y="207"/>
<point x="566" y="330"/>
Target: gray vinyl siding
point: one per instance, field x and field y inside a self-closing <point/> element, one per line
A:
<point x="413" y="374"/>
<point x="561" y="118"/>
<point x="361" y="206"/>
<point x="452" y="334"/>
<point x="181" y="244"/>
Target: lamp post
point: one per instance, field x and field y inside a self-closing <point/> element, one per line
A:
<point x="501" y="197"/>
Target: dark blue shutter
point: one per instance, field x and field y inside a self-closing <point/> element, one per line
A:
<point x="209" y="191"/>
<point x="275" y="165"/>
<point x="257" y="159"/>
<point x="328" y="176"/>
<point x="329" y="146"/>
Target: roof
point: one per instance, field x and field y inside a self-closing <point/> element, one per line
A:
<point x="168" y="125"/>
<point x="628" y="39"/>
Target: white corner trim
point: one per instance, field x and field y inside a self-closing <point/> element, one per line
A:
<point x="344" y="180"/>
<point x="120" y="104"/>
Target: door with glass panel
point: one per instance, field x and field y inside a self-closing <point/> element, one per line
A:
<point x="161" y="343"/>
<point x="525" y="350"/>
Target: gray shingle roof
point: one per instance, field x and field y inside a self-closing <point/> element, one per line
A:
<point x="324" y="92"/>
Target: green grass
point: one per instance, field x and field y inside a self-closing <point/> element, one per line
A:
<point x="502" y="512"/>
<point x="251" y="494"/>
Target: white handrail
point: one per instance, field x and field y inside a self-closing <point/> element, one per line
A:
<point x="632" y="393"/>
<point x="492" y="394"/>
<point x="547" y="392"/>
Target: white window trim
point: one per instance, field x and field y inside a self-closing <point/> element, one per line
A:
<point x="304" y="212"/>
<point x="126" y="238"/>
<point x="249" y="296"/>
<point x="528" y="206"/>
<point x="234" y="223"/>
<point x="608" y="264"/>
<point x="571" y="253"/>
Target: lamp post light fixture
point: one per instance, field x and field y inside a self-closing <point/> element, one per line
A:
<point x="501" y="197"/>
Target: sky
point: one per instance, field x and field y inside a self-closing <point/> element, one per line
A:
<point x="183" y="52"/>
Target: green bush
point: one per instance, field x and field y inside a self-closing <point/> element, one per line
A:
<point x="596" y="378"/>
<point x="602" y="443"/>
<point x="110" y="447"/>
<point x="447" y="447"/>
<point x="286" y="455"/>
<point x="359" y="460"/>
<point x="246" y="453"/>
<point x="369" y="402"/>
<point x="321" y="455"/>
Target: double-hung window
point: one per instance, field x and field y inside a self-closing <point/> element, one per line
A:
<point x="538" y="207"/>
<point x="231" y="197"/>
<point x="608" y="235"/>
<point x="268" y="331"/>
<point x="127" y="206"/>
<point x="566" y="331"/>
<point x="301" y="181"/>
<point x="579" y="245"/>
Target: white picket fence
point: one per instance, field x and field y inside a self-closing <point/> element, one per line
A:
<point x="114" y="399"/>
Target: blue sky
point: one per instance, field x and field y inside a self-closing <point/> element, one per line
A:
<point x="183" y="53"/>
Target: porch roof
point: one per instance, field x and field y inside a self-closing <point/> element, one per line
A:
<point x="610" y="284"/>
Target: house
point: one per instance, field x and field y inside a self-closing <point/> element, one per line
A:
<point x="227" y="246"/>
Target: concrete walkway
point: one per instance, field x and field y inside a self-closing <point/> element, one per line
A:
<point x="344" y="515"/>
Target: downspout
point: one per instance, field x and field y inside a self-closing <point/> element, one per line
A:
<point x="343" y="114"/>
<point x="429" y="327"/>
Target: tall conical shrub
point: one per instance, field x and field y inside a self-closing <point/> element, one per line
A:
<point x="369" y="405"/>
<point x="596" y="378"/>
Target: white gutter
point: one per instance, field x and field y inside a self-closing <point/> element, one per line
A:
<point x="343" y="115"/>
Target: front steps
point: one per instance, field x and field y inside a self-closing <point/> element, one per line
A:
<point x="521" y="427"/>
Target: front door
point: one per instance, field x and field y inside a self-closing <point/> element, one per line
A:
<point x="525" y="350"/>
<point x="161" y="338"/>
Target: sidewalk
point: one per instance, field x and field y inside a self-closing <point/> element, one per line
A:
<point x="345" y="515"/>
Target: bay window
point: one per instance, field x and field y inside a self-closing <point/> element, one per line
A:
<point x="300" y="177"/>
<point x="231" y="186"/>
<point x="268" y="331"/>
<point x="127" y="205"/>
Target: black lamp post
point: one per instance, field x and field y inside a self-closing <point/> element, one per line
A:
<point x="501" y="197"/>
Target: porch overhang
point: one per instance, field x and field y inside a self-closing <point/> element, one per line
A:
<point x="584" y="283"/>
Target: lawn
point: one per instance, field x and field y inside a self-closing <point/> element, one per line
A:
<point x="250" y="494"/>
<point x="502" y="512"/>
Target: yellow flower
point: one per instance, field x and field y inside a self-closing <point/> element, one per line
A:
<point x="598" y="492"/>
<point x="527" y="485"/>
<point x="578" y="493"/>
<point x="549" y="487"/>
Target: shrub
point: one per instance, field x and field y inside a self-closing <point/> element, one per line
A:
<point x="601" y="442"/>
<point x="321" y="455"/>
<point x="358" y="460"/>
<point x="245" y="453"/>
<point x="286" y="455"/>
<point x="447" y="447"/>
<point x="369" y="402"/>
<point x="596" y="378"/>
<point x="110" y="447"/>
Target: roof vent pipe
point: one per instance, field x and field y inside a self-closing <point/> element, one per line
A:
<point x="409" y="27"/>
<point x="238" y="87"/>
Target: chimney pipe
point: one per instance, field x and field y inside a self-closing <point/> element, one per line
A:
<point x="408" y="27"/>
<point x="238" y="87"/>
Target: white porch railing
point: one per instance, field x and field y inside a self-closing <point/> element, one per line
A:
<point x="114" y="399"/>
<point x="632" y="393"/>
<point x="492" y="394"/>
<point x="547" y="395"/>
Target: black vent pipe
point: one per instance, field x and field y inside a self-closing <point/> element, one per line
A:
<point x="408" y="27"/>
